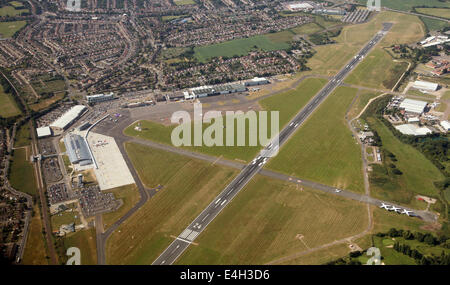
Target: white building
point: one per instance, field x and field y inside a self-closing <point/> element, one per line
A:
<point x="67" y="118"/>
<point x="413" y="106"/>
<point x="257" y="81"/>
<point x="301" y="6"/>
<point x="100" y="97"/>
<point x="445" y="125"/>
<point x="426" y="86"/>
<point x="43" y="132"/>
<point x="413" y="130"/>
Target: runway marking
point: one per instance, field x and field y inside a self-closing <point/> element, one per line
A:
<point x="185" y="233"/>
<point x="192" y="235"/>
<point x="204" y="218"/>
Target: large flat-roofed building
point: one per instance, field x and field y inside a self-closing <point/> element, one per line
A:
<point x="100" y="97"/>
<point x="77" y="150"/>
<point x="256" y="81"/>
<point x="413" y="130"/>
<point x="413" y="106"/>
<point x="43" y="132"/>
<point x="67" y="118"/>
<point x="300" y="6"/>
<point x="426" y="86"/>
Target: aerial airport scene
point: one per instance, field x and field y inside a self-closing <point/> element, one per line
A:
<point x="224" y="132"/>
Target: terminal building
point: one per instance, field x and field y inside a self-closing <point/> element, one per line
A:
<point x="204" y="91"/>
<point x="67" y="119"/>
<point x="100" y="97"/>
<point x="77" y="150"/>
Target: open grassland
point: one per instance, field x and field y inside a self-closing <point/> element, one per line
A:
<point x="184" y="2"/>
<point x="35" y="248"/>
<point x="361" y="101"/>
<point x="188" y="187"/>
<point x="409" y="4"/>
<point x="8" y="29"/>
<point x="307" y="29"/>
<point x="438" y="12"/>
<point x="287" y="103"/>
<point x="23" y="136"/>
<point x="433" y="24"/>
<point x="323" y="149"/>
<point x="66" y="217"/>
<point x="418" y="172"/>
<point x="377" y="70"/>
<point x="85" y="240"/>
<point x="329" y="59"/>
<point x="239" y="47"/>
<point x="21" y="167"/>
<point x="8" y="107"/>
<point x="42" y="104"/>
<point x="384" y="220"/>
<point x="271" y="219"/>
<point x="11" y="11"/>
<point x="129" y="195"/>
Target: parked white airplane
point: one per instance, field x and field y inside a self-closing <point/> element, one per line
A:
<point x="396" y="209"/>
<point x="407" y="212"/>
<point x="385" y="206"/>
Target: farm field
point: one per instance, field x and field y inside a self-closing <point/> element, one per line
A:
<point x="438" y="12"/>
<point x="8" y="29"/>
<point x="129" y="195"/>
<point x="21" y="167"/>
<point x="323" y="149"/>
<point x="85" y="240"/>
<point x="418" y="172"/>
<point x="287" y="103"/>
<point x="35" y="248"/>
<point x="8" y="107"/>
<point x="271" y="219"/>
<point x="188" y="185"/>
<point x="377" y="70"/>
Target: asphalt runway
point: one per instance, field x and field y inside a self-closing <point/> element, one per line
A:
<point x="182" y="242"/>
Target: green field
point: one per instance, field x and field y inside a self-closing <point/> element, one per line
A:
<point x="418" y="172"/>
<point x="287" y="103"/>
<point x="129" y="195"/>
<point x="21" y="167"/>
<point x="433" y="24"/>
<point x="329" y="59"/>
<point x="265" y="222"/>
<point x="438" y="12"/>
<point x="377" y="70"/>
<point x="66" y="217"/>
<point x="8" y="107"/>
<point x="35" y="248"/>
<point x="8" y="29"/>
<point x="323" y="149"/>
<point x="409" y="4"/>
<point x="11" y="11"/>
<point x="188" y="186"/>
<point x="16" y="4"/>
<point x="307" y="29"/>
<point x="23" y="136"/>
<point x="85" y="240"/>
<point x="243" y="46"/>
<point x="361" y="101"/>
<point x="184" y="2"/>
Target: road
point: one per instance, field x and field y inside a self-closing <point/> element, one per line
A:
<point x="182" y="242"/>
<point x="417" y="14"/>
